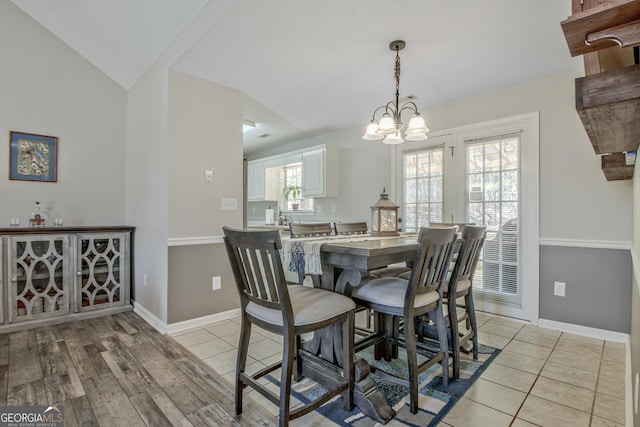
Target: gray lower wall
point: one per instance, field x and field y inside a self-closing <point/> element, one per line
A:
<point x="635" y="343"/>
<point x="598" y="286"/>
<point x="190" y="271"/>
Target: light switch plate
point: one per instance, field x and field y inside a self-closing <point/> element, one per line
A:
<point x="208" y="176"/>
<point x="559" y="288"/>
<point x="229" y="204"/>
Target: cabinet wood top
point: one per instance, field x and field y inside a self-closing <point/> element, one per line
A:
<point x="67" y="229"/>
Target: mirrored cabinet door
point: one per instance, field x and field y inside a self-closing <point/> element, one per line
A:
<point x="38" y="268"/>
<point x="103" y="270"/>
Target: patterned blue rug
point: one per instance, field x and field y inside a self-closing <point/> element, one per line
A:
<point x="435" y="400"/>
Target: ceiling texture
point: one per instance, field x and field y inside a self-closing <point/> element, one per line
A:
<point x="309" y="67"/>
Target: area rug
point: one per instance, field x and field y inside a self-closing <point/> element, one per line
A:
<point x="435" y="400"/>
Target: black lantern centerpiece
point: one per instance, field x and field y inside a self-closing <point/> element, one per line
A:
<point x="384" y="216"/>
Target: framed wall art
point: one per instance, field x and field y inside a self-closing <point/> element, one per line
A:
<point x="33" y="157"/>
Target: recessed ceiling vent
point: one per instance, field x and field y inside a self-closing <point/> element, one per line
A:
<point x="408" y="98"/>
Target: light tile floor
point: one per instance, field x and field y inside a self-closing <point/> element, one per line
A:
<point x="542" y="377"/>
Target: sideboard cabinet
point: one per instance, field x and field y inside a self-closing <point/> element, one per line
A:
<point x="50" y="275"/>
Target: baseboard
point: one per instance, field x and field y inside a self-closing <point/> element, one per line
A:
<point x="177" y="327"/>
<point x="150" y="318"/>
<point x="584" y="330"/>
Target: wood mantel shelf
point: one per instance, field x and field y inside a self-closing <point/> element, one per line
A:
<point x="614" y="23"/>
<point x="609" y="106"/>
<point x="606" y="33"/>
<point x="616" y="167"/>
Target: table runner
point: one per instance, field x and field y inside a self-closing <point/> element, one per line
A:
<point x="302" y="254"/>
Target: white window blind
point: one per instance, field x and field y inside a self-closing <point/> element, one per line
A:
<point x="423" y="187"/>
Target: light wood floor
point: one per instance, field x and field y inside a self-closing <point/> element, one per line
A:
<point x="115" y="371"/>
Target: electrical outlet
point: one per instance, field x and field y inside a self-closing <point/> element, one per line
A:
<point x="216" y="283"/>
<point x="559" y="288"/>
<point x="144" y="279"/>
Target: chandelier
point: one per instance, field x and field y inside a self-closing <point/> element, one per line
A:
<point x="390" y="124"/>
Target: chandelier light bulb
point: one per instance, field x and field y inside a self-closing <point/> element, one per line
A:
<point x="417" y="125"/>
<point x="394" y="138"/>
<point x="387" y="125"/>
<point x="370" y="133"/>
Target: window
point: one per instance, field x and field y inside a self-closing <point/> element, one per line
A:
<point x="293" y="201"/>
<point x="485" y="173"/>
<point x="492" y="172"/>
<point x="423" y="184"/>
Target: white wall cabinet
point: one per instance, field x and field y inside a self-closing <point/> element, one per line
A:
<point x="255" y="181"/>
<point x="54" y="274"/>
<point x="320" y="172"/>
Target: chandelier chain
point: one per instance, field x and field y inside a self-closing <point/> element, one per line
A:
<point x="397" y="73"/>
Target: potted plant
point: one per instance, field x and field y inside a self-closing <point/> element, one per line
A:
<point x="291" y="192"/>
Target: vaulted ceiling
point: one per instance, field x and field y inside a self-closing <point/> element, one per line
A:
<point x="311" y="67"/>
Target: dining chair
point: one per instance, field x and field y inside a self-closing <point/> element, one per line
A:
<point x="460" y="225"/>
<point x="461" y="285"/>
<point x="310" y="229"/>
<point x="297" y="230"/>
<point x="267" y="301"/>
<point x="347" y="228"/>
<point x="398" y="270"/>
<point x="393" y="297"/>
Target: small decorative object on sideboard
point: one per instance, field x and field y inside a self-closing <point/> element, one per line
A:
<point x="37" y="218"/>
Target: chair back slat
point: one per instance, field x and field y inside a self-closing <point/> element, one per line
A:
<point x="468" y="260"/>
<point x="269" y="276"/>
<point x="346" y="228"/>
<point x="310" y="230"/>
<point x="257" y="268"/>
<point x="431" y="265"/>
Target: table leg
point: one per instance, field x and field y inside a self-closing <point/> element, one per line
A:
<point x="327" y="343"/>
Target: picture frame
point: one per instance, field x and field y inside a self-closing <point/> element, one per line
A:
<point x="33" y="157"/>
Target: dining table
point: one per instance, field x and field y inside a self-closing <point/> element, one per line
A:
<point x="338" y="264"/>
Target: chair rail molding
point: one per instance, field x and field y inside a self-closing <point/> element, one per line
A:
<point x="583" y="243"/>
<point x="194" y="241"/>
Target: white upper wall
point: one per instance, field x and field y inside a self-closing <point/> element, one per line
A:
<point x="203" y="137"/>
<point x="49" y="89"/>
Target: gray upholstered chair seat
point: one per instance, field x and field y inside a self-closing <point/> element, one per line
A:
<point x="390" y="291"/>
<point x="463" y="285"/>
<point x="391" y="271"/>
<point x="309" y="306"/>
<point x="406" y="275"/>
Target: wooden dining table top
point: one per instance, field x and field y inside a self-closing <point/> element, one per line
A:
<point x="369" y="253"/>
